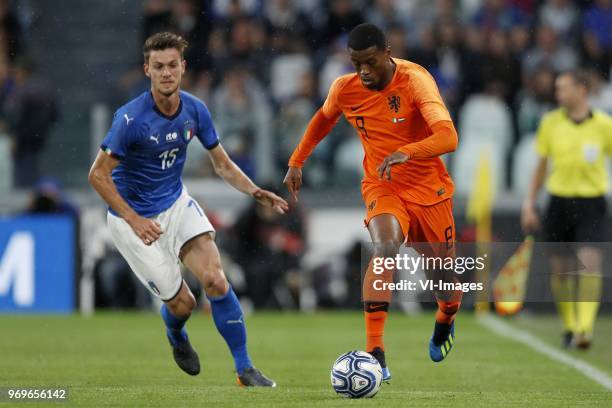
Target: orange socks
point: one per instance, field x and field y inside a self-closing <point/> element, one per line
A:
<point x="375" y="307"/>
<point x="446" y="311"/>
<point x="375" y="314"/>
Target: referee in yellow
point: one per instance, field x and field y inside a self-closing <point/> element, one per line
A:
<point x="576" y="140"/>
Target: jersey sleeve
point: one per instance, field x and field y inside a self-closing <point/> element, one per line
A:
<point x="443" y="140"/>
<point x="427" y="98"/>
<point x="120" y="136"/>
<point x="318" y="127"/>
<point x="331" y="106"/>
<point x="206" y="129"/>
<point x="608" y="133"/>
<point x="543" y="138"/>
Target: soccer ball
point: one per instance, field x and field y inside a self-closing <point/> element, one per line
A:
<point x="356" y="374"/>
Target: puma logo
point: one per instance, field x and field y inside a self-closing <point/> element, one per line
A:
<point x="155" y="138"/>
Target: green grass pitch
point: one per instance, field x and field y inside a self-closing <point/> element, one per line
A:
<point x="124" y="360"/>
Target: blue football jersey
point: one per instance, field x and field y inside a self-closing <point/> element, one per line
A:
<point x="152" y="149"/>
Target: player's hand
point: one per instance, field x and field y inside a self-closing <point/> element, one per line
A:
<point x="530" y="221"/>
<point x="269" y="199"/>
<point x="384" y="170"/>
<point x="147" y="230"/>
<point x="293" y="181"/>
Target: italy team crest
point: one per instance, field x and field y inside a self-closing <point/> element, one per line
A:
<point x="188" y="132"/>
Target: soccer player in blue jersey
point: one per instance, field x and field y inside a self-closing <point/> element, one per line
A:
<point x="154" y="222"/>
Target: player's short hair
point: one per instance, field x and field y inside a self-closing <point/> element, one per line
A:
<point x="365" y="36"/>
<point x="580" y="77"/>
<point x="163" y="41"/>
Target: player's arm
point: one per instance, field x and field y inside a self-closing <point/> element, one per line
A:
<point x="319" y="126"/>
<point x="100" y="179"/>
<point x="231" y="173"/>
<point x="443" y="140"/>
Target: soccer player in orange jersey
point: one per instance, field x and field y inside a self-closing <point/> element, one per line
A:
<point x="404" y="127"/>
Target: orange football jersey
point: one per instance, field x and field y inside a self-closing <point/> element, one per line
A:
<point x="387" y="120"/>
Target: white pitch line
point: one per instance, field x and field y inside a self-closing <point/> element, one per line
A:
<point x="502" y="328"/>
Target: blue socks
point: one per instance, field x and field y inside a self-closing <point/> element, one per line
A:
<point x="228" y="318"/>
<point x="175" y="326"/>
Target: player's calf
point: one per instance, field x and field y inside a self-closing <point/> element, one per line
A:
<point x="175" y="313"/>
<point x="202" y="258"/>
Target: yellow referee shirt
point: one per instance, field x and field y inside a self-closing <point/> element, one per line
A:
<point x="578" y="152"/>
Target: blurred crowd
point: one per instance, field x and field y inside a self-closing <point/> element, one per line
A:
<point x="264" y="67"/>
<point x="28" y="103"/>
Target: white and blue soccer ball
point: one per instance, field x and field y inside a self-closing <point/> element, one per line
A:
<point x="356" y="374"/>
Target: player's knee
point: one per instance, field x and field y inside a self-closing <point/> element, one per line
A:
<point x="190" y="302"/>
<point x="449" y="308"/>
<point x="180" y="307"/>
<point x="216" y="284"/>
<point x="386" y="249"/>
<point x="182" y="304"/>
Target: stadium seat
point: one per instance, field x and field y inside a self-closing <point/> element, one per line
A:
<point x="348" y="159"/>
<point x="466" y="161"/>
<point x="6" y="164"/>
<point x="523" y="164"/>
<point x="286" y="74"/>
<point x="487" y="119"/>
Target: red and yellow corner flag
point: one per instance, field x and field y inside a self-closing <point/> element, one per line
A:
<point x="510" y="285"/>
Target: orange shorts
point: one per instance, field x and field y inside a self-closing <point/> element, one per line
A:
<point x="420" y="223"/>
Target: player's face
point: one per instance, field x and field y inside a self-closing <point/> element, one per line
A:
<point x="372" y="66"/>
<point x="165" y="68"/>
<point x="568" y="92"/>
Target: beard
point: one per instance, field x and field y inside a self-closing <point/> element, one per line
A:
<point x="169" y="93"/>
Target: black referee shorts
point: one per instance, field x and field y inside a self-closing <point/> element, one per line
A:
<point x="575" y="219"/>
